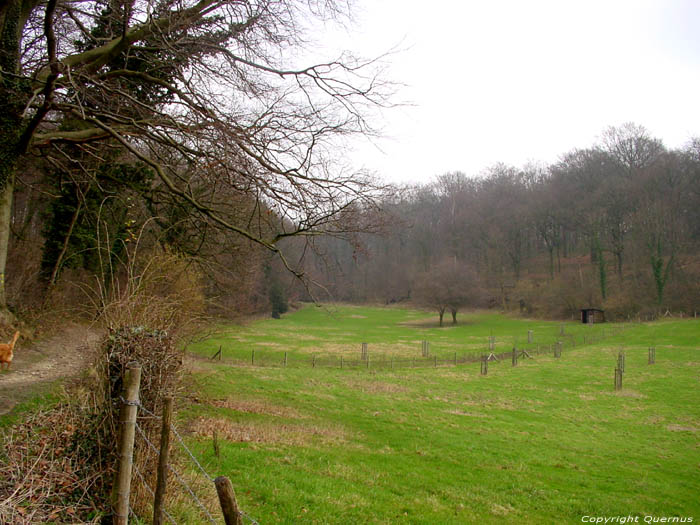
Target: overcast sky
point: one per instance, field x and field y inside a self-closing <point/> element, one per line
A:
<point x="518" y="81"/>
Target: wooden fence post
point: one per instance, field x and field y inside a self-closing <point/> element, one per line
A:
<point x="652" y="355"/>
<point x="341" y="362"/>
<point x="252" y="357"/>
<point x="313" y="361"/>
<point x="215" y="442"/>
<point x="484" y="365"/>
<point x="529" y="336"/>
<point x="127" y="430"/>
<point x="285" y="359"/>
<point x="618" y="379"/>
<point x="227" y="500"/>
<point x="162" y="480"/>
<point x="621" y="361"/>
<point x="514" y="359"/>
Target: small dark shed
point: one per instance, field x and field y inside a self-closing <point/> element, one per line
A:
<point x="592" y="315"/>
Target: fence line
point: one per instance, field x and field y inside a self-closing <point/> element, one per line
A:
<point x="151" y="449"/>
<point x="427" y="358"/>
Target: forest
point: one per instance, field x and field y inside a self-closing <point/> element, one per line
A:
<point x="612" y="225"/>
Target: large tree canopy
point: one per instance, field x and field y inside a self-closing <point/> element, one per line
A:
<point x="205" y="93"/>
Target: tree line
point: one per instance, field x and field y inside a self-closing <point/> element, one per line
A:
<point x="615" y="225"/>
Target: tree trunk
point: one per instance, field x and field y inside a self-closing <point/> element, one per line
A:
<point x="442" y="312"/>
<point x="14" y="94"/>
<point x="5" y="217"/>
<point x="64" y="249"/>
<point x="454" y="316"/>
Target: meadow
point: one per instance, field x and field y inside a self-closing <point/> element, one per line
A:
<point x="546" y="441"/>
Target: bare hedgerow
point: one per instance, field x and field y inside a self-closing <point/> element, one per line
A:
<point x="46" y="472"/>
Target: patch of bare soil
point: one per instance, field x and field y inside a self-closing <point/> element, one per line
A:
<point x="38" y="365"/>
<point x="255" y="407"/>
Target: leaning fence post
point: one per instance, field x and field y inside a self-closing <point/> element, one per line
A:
<point x="227" y="500"/>
<point x="161" y="483"/>
<point x="127" y="430"/>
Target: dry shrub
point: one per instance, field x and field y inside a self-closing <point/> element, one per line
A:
<point x="45" y="474"/>
<point x="161" y="291"/>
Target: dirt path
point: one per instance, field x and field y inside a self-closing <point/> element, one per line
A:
<point x="35" y="367"/>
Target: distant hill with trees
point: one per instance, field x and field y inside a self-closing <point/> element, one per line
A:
<point x="615" y="225"/>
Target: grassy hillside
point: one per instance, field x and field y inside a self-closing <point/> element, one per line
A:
<point x="548" y="441"/>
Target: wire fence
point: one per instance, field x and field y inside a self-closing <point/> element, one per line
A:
<point x="150" y="449"/>
<point x="365" y="358"/>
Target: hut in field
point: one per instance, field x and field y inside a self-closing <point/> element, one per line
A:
<point x="592" y="315"/>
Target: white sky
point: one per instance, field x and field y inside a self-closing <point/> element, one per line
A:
<point x="524" y="80"/>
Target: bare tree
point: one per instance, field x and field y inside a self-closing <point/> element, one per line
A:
<point x="200" y="91"/>
<point x="448" y="285"/>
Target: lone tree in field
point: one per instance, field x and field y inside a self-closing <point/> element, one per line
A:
<point x="204" y="94"/>
<point x="447" y="286"/>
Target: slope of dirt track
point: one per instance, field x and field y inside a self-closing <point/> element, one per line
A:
<point x="37" y="366"/>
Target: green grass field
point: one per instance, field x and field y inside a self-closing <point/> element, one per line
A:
<point x="548" y="441"/>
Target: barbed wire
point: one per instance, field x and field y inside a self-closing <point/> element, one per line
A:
<point x="182" y="482"/>
<point x="244" y="515"/>
<point x="156" y="416"/>
<point x="182" y="443"/>
<point x="177" y="476"/>
<point x="194" y="496"/>
<point x="153" y="494"/>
